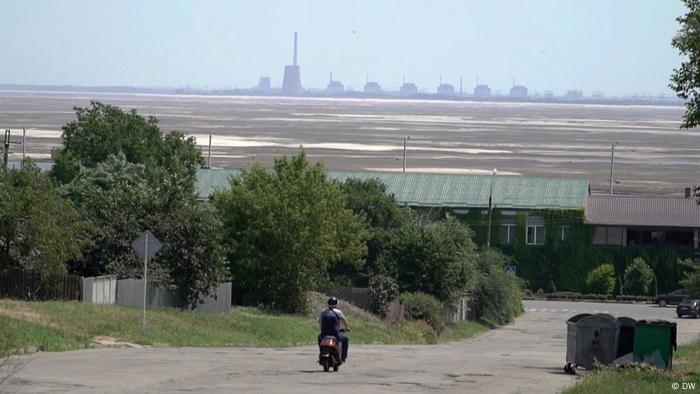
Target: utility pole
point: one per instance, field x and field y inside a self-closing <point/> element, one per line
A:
<point x="612" y="166"/>
<point x="7" y="148"/>
<point x="488" y="230"/>
<point x="209" y="161"/>
<point x="24" y="144"/>
<point x="404" y="152"/>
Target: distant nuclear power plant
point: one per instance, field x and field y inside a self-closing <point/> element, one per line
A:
<point x="291" y="84"/>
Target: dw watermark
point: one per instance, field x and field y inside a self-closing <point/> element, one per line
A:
<point x="684" y="385"/>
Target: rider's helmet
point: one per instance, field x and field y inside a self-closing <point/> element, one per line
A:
<point x="332" y="301"/>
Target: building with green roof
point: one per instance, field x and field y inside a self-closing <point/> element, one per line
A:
<point x="459" y="191"/>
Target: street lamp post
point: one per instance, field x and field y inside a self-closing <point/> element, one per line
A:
<point x="404" y="151"/>
<point x="488" y="230"/>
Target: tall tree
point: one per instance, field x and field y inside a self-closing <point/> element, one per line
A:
<point x="39" y="230"/>
<point x="435" y="258"/>
<point x="285" y="229"/>
<point x="102" y="130"/>
<point x="685" y="80"/>
<point x="119" y="201"/>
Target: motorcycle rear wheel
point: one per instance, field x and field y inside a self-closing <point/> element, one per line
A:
<point x="326" y="365"/>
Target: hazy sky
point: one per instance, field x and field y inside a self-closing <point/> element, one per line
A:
<point x="615" y="46"/>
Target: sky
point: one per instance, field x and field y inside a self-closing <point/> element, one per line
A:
<point x="618" y="47"/>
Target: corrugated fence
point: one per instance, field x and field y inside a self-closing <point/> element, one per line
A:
<point x="130" y="293"/>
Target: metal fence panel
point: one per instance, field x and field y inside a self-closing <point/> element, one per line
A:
<point x="130" y="293"/>
<point x="100" y="290"/>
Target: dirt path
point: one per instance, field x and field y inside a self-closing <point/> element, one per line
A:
<point x="525" y="357"/>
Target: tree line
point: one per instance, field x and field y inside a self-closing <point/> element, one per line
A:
<point x="275" y="233"/>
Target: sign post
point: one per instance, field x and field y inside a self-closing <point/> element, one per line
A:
<point x="146" y="246"/>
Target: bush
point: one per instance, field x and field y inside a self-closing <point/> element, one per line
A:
<point x="551" y="287"/>
<point x="421" y="306"/>
<point x="497" y="296"/>
<point x="601" y="280"/>
<point x="382" y="290"/>
<point x="691" y="282"/>
<point x="639" y="278"/>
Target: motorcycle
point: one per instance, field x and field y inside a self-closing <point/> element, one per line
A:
<point x="329" y="353"/>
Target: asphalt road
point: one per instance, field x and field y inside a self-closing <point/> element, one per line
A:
<point x="524" y="357"/>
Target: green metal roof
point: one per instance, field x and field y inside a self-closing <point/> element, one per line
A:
<point x="450" y="190"/>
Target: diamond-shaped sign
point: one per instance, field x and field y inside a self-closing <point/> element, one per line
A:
<point x="139" y="245"/>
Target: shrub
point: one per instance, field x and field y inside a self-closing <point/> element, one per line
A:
<point x="639" y="278"/>
<point x="551" y="287"/>
<point x="496" y="298"/>
<point x="601" y="280"/>
<point x="382" y="290"/>
<point x="421" y="306"/>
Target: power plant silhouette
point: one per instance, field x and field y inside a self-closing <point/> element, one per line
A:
<point x="291" y="84"/>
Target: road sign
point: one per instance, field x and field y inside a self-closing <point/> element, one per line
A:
<point x="139" y="245"/>
<point x="146" y="246"/>
<point x="510" y="268"/>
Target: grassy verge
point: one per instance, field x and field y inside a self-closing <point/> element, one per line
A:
<point x="686" y="368"/>
<point x="56" y="326"/>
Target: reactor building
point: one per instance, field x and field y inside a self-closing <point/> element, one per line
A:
<point x="291" y="83"/>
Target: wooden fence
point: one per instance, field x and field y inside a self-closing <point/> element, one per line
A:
<point x="32" y="286"/>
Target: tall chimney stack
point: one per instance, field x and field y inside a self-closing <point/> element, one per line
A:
<point x="295" y="48"/>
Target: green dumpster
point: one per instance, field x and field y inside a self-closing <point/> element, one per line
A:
<point x="654" y="342"/>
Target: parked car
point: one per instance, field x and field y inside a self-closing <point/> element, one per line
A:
<point x="688" y="307"/>
<point x="673" y="298"/>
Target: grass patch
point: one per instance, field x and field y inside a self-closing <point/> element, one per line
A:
<point x="61" y="325"/>
<point x="686" y="365"/>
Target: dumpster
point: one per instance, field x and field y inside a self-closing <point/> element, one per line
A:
<point x="596" y="340"/>
<point x="654" y="342"/>
<point x="625" y="341"/>
<point x="570" y="365"/>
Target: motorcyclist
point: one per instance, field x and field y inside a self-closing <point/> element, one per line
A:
<point x="332" y="321"/>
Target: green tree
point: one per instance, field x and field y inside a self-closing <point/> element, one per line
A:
<point x="285" y="230"/>
<point x="102" y="130"/>
<point x="601" y="280"/>
<point x="685" y="81"/>
<point x="639" y="278"/>
<point x="39" y="231"/>
<point x="119" y="201"/>
<point x="435" y="258"/>
<point x="382" y="216"/>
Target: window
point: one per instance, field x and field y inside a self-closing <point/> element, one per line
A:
<point x="535" y="235"/>
<point x="563" y="233"/>
<point x="508" y="234"/>
<point x="603" y="235"/>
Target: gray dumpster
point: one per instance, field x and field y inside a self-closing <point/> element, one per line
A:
<point x="625" y="341"/>
<point x="595" y="340"/>
<point x="571" y="341"/>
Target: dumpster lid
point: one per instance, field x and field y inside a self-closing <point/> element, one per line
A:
<point x="666" y="323"/>
<point x="599" y="320"/>
<point x="626" y="321"/>
<point x="575" y="318"/>
<point x="656" y="321"/>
